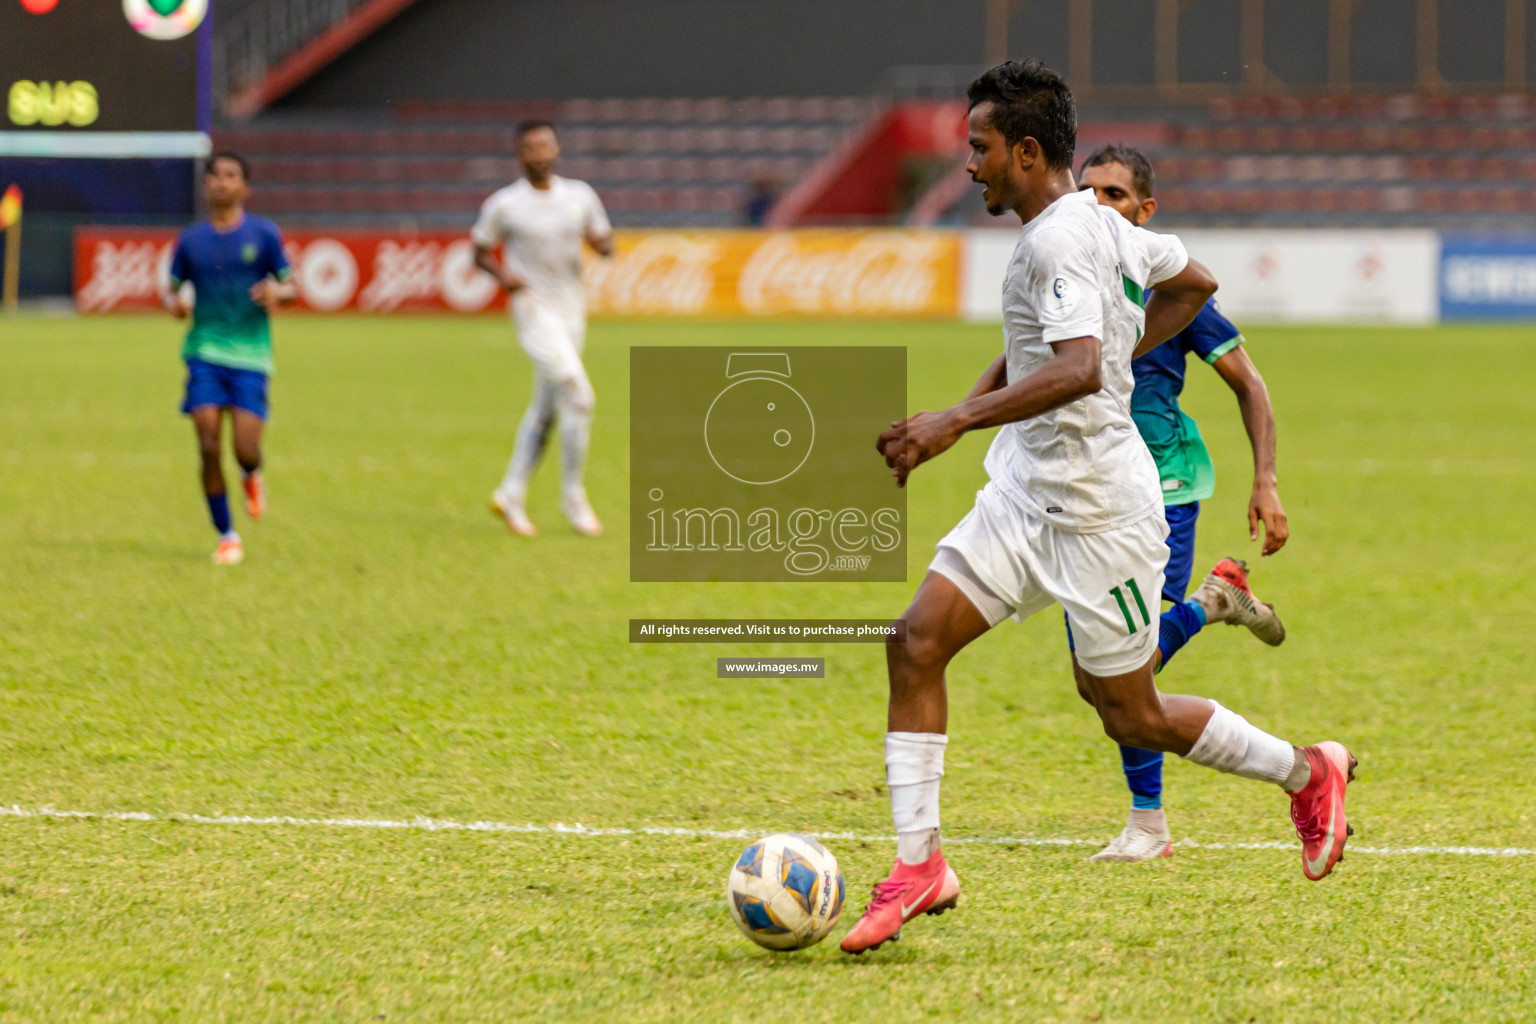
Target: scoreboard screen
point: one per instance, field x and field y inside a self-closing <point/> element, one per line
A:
<point x="92" y="77"/>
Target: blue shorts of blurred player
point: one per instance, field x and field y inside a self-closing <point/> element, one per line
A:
<point x="1181" y="550"/>
<point x="226" y="387"/>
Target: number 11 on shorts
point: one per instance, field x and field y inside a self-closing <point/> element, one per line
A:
<point x="1141" y="606"/>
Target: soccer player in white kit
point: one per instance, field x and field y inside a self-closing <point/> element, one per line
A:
<point x="1073" y="513"/>
<point x="541" y="221"/>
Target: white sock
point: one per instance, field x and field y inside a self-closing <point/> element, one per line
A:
<point x="914" y="764"/>
<point x="1148" y="819"/>
<point x="1230" y="744"/>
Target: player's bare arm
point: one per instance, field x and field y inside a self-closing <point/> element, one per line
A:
<point x="1174" y="304"/>
<point x="271" y="293"/>
<point x="1073" y="372"/>
<point x="485" y="259"/>
<point x="176" y="303"/>
<point x="996" y="376"/>
<point x="1259" y="419"/>
<point x="602" y="244"/>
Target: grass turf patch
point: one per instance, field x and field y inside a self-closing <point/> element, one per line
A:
<point x="387" y="651"/>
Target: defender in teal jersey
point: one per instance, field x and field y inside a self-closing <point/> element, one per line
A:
<point x="1122" y="179"/>
<point x="237" y="270"/>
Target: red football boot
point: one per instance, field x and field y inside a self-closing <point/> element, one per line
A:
<point x="1318" y="809"/>
<point x="255" y="495"/>
<point x="912" y="889"/>
<point x="1226" y="597"/>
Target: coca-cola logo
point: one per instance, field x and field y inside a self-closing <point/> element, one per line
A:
<point x="671" y="274"/>
<point x="883" y="272"/>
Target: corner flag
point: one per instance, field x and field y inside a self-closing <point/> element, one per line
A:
<point x="10" y="223"/>
<point x="10" y="207"/>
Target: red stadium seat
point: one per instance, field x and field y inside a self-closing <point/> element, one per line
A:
<point x="1461" y="168"/>
<point x="1230" y="139"/>
<point x="716" y="108"/>
<point x="680" y="140"/>
<point x="1499" y="168"/>
<point x="1484" y="138"/>
<point x="1470" y="200"/>
<point x="1506" y="200"/>
<point x="611" y="111"/>
<point x="1302" y="140"/>
<point x="725" y="169"/>
<point x="779" y="108"/>
<point x="716" y="140"/>
<point x="647" y="108"/>
<point x="648" y="140"/>
<point x="1251" y="201"/>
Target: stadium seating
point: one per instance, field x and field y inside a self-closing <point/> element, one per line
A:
<point x="1381" y="161"/>
<point x="1461" y="163"/>
<point x="654" y="161"/>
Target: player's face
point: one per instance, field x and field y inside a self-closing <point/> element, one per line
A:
<point x="1115" y="187"/>
<point x="538" y="150"/>
<point x="992" y="163"/>
<point x="224" y="184"/>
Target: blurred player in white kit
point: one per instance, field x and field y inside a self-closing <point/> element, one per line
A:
<point x="541" y="222"/>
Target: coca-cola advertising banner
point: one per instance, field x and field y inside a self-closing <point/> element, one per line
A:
<point x="665" y="273"/>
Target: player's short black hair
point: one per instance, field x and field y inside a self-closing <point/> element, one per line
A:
<point x="228" y="154"/>
<point x="1029" y="100"/>
<point x="1132" y="159"/>
<point x="533" y="124"/>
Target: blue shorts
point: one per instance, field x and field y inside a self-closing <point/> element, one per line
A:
<point x="1181" y="550"/>
<point x="1181" y="556"/>
<point x="226" y="387"/>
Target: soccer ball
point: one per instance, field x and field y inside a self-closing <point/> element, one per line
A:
<point x="785" y="891"/>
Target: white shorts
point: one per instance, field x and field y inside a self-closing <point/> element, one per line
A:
<point x="552" y="338"/>
<point x="1007" y="561"/>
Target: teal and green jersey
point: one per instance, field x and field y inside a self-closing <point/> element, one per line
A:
<point x="1183" y="462"/>
<point x="228" y="327"/>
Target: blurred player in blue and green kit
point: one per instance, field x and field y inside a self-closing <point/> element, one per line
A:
<point x="238" y="272"/>
<point x="1121" y="178"/>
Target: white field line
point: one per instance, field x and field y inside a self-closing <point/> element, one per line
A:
<point x="439" y="825"/>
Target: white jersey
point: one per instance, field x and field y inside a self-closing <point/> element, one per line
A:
<point x="1081" y="270"/>
<point x="542" y="231"/>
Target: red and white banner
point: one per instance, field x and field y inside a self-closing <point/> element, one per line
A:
<point x="125" y="269"/>
<point x="666" y="273"/>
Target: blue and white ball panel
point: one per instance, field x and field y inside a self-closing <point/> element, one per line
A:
<point x="785" y="892"/>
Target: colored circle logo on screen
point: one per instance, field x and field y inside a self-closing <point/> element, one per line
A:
<point x="38" y="6"/>
<point x="165" y="19"/>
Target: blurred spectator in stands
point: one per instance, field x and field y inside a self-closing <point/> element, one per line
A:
<point x="762" y="193"/>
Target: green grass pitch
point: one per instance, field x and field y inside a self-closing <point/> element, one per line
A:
<point x="388" y="651"/>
